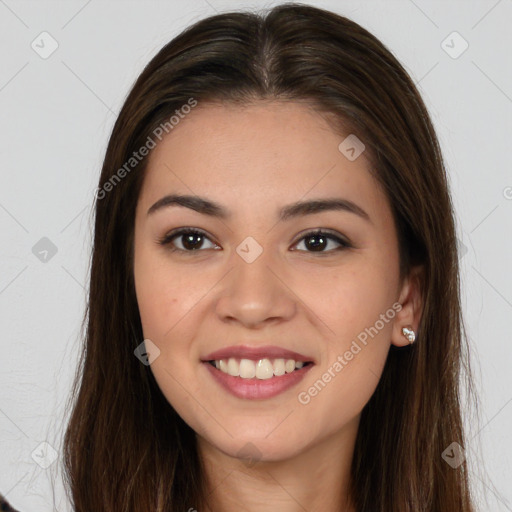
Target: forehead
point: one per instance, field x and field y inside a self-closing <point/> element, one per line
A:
<point x="257" y="154"/>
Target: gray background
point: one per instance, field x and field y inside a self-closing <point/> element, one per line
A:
<point x="57" y="114"/>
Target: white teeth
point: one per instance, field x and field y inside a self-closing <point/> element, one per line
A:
<point x="247" y="369"/>
<point x="289" y="366"/>
<point x="279" y="367"/>
<point x="262" y="369"/>
<point x="233" y="367"/>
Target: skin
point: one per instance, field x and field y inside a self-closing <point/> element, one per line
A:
<point x="253" y="160"/>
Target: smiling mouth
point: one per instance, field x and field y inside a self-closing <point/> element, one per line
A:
<point x="260" y="369"/>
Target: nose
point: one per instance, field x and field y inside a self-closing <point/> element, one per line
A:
<point x="256" y="294"/>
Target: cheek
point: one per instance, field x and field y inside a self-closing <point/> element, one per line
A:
<point x="154" y="299"/>
<point x="164" y="296"/>
<point x="356" y="307"/>
<point x="165" y="299"/>
<point x="352" y="358"/>
<point x="348" y="300"/>
<point x="168" y="302"/>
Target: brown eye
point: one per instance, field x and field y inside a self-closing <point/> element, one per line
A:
<point x="192" y="239"/>
<point x="186" y="239"/>
<point x="318" y="241"/>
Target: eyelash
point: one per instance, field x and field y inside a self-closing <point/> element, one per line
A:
<point x="168" y="238"/>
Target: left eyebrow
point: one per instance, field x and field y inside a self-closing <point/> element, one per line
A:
<point x="300" y="208"/>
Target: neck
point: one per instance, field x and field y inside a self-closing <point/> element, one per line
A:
<point x="316" y="479"/>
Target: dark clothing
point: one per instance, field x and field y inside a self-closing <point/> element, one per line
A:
<point x="4" y="505"/>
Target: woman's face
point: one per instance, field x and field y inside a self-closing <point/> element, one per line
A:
<point x="252" y="279"/>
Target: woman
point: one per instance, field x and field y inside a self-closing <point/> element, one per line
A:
<point x="274" y="317"/>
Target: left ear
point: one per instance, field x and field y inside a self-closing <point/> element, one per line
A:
<point x="412" y="306"/>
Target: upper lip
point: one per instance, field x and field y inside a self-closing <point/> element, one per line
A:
<point x="256" y="353"/>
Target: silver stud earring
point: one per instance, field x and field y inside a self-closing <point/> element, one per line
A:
<point x="409" y="334"/>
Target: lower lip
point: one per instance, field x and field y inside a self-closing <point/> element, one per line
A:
<point x="257" y="389"/>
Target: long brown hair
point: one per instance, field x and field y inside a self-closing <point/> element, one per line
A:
<point x="126" y="449"/>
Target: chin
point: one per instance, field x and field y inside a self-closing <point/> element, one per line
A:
<point x="252" y="448"/>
